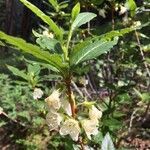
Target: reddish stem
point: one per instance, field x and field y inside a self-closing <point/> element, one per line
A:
<point x="70" y="99"/>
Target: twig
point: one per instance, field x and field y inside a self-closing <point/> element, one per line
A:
<point x="146" y="67"/>
<point x="110" y="98"/>
<point x="77" y="89"/>
<point x="131" y="120"/>
<point x="81" y="143"/>
<point x="91" y="86"/>
<point x="13" y="120"/>
<point x="146" y="111"/>
<point x="142" y="54"/>
<point x="86" y="92"/>
<point x="112" y="15"/>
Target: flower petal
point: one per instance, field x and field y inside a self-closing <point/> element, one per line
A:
<point x="90" y="127"/>
<point x="38" y="93"/>
<point x="66" y="106"/>
<point x="53" y="120"/>
<point x="94" y="113"/>
<point x="71" y="127"/>
<point x="53" y="101"/>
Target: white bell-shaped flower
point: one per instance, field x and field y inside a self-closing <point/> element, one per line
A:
<point x="38" y="93"/>
<point x="102" y="12"/>
<point x="53" y="120"/>
<point x="94" y="113"/>
<point x="66" y="106"/>
<point x="71" y="127"/>
<point x="86" y="147"/>
<point x="90" y="127"/>
<point x="123" y="10"/>
<point x="53" y="101"/>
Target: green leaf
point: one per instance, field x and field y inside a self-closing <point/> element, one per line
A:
<point x="115" y="33"/>
<point x="63" y="5"/>
<point x="45" y="18"/>
<point x="34" y="68"/>
<point x="138" y="93"/>
<point x="131" y="6"/>
<point x="107" y="36"/>
<point x="75" y="11"/>
<point x="81" y="19"/>
<point x="37" y="121"/>
<point x="45" y="65"/>
<point x="112" y="123"/>
<point x="146" y="48"/>
<point x="1" y="43"/>
<point x="98" y="138"/>
<point x="48" y="43"/>
<point x="91" y="51"/>
<point x="118" y="114"/>
<point x="53" y="59"/>
<point x="54" y="3"/>
<point x="17" y="72"/>
<point x="107" y="143"/>
<point x="36" y="34"/>
<point x="80" y="46"/>
<point x="24" y="115"/>
<point x="144" y="96"/>
<point x="97" y="2"/>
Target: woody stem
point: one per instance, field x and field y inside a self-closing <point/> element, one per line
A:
<point x="70" y="98"/>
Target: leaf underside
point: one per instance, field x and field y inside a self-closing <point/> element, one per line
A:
<point x="81" y="19"/>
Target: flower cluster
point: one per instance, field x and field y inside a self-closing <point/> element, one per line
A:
<point x="59" y="118"/>
<point x="55" y="119"/>
<point x="91" y="125"/>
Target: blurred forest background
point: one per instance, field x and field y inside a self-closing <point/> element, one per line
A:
<point x="120" y="78"/>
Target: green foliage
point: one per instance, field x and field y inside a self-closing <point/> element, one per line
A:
<point x="91" y="51"/>
<point x="81" y="19"/>
<point x="18" y="103"/>
<point x="55" y="4"/>
<point x="53" y="59"/>
<point x="49" y="44"/>
<point x="32" y="75"/>
<point x="58" y="6"/>
<point x="97" y="2"/>
<point x="17" y="72"/>
<point x="1" y="43"/>
<point x="56" y="60"/>
<point x="117" y="79"/>
<point x="116" y="33"/>
<point x="145" y="97"/>
<point x="75" y="11"/>
<point x="132" y="6"/>
<point x="45" y="18"/>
